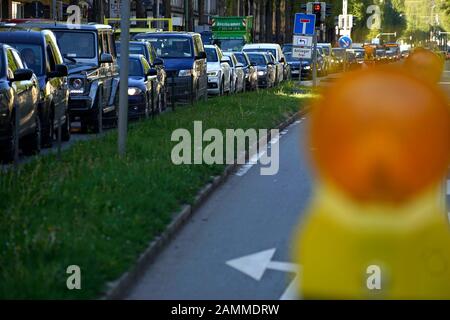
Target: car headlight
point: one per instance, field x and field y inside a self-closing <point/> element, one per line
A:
<point x="77" y="85"/>
<point x="134" y="91"/>
<point x="185" y="73"/>
<point x="213" y="73"/>
<point x="307" y="67"/>
<point x="261" y="73"/>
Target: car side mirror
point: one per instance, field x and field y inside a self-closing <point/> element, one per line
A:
<point x="282" y="60"/>
<point x="106" y="58"/>
<point x="152" y="72"/>
<point x="23" y="75"/>
<point x="158" y="62"/>
<point x="201" y="55"/>
<point x="60" y="71"/>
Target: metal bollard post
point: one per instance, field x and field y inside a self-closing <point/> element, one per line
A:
<point x="192" y="90"/>
<point x="153" y="99"/>
<point x="16" y="137"/>
<point x="59" y="138"/>
<point x="100" y="129"/>
<point x="173" y="92"/>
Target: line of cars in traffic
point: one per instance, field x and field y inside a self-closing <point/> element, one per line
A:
<point x="54" y="74"/>
<point x="331" y="60"/>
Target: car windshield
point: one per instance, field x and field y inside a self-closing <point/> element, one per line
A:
<point x="76" y="44"/>
<point x="326" y="50"/>
<point x="211" y="55"/>
<point x="272" y="51"/>
<point x="339" y="53"/>
<point x="359" y="54"/>
<point x="135" y="68"/>
<point x="134" y="48"/>
<point x="171" y="47"/>
<point x="287" y="48"/>
<point x="289" y="57"/>
<point x="231" y="45"/>
<point x="241" y="58"/>
<point x="257" y="59"/>
<point x="32" y="56"/>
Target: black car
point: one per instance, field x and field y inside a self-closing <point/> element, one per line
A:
<point x="41" y="54"/>
<point x="89" y="51"/>
<point x="306" y="66"/>
<point x="19" y="92"/>
<point x="142" y="86"/>
<point x="146" y="49"/>
<point x="184" y="61"/>
<point x="265" y="69"/>
<point x="251" y="74"/>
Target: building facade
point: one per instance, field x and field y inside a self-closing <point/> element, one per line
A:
<point x="95" y="10"/>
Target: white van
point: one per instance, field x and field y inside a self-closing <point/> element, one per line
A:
<point x="275" y="50"/>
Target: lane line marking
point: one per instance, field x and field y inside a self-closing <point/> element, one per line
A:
<point x="255" y="158"/>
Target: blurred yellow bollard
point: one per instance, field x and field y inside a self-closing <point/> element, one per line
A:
<point x="380" y="142"/>
<point x="425" y="65"/>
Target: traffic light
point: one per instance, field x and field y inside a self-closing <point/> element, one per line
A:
<point x="317" y="10"/>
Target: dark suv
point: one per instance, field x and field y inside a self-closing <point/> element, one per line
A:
<point x="184" y="61"/>
<point x="146" y="49"/>
<point x="19" y="93"/>
<point x="41" y="54"/>
<point x="90" y="54"/>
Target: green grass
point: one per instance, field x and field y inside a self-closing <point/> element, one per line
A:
<point x="99" y="211"/>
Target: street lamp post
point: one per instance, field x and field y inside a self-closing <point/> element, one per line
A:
<point x="123" y="98"/>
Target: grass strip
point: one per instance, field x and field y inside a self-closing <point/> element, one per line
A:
<point x="98" y="211"/>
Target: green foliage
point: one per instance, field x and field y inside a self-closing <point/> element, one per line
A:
<point x="99" y="211"/>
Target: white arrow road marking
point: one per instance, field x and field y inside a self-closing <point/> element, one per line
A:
<point x="255" y="265"/>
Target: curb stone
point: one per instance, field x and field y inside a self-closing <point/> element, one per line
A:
<point x="120" y="288"/>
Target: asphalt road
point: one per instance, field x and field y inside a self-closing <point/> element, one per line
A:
<point x="249" y="214"/>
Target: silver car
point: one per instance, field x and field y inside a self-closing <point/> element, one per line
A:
<point x="237" y="73"/>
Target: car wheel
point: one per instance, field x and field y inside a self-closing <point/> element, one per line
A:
<point x="97" y="118"/>
<point x="48" y="133"/>
<point x="7" y="150"/>
<point x="32" y="143"/>
<point x="222" y="88"/>
<point x="159" y="104"/>
<point x="66" y="128"/>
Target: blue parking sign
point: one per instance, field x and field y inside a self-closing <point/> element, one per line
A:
<point x="304" y="24"/>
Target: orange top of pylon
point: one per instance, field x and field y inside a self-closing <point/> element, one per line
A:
<point x="381" y="135"/>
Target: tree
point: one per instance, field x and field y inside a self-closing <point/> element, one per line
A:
<point x="269" y="20"/>
<point x="167" y="9"/>
<point x="289" y="20"/>
<point x="278" y="35"/>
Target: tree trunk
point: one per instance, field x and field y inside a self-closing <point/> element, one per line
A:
<point x="278" y="21"/>
<point x="201" y="13"/>
<point x="289" y="20"/>
<point x="190" y="15"/>
<point x="167" y="9"/>
<point x="141" y="12"/>
<point x="262" y="20"/>
<point x="269" y="21"/>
